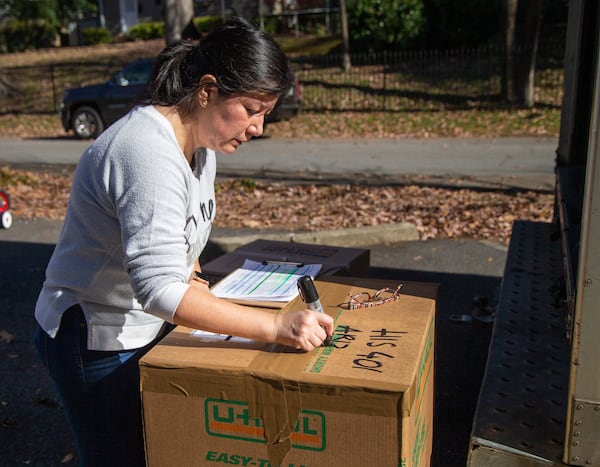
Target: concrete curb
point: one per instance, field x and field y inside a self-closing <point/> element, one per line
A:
<point x="541" y="183"/>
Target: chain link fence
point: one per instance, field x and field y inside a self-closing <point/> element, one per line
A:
<point x="394" y="81"/>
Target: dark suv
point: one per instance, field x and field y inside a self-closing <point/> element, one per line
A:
<point x="88" y="110"/>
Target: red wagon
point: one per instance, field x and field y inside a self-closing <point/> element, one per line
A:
<point x="5" y="215"/>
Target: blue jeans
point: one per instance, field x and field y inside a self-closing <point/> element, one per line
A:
<point x="100" y="391"/>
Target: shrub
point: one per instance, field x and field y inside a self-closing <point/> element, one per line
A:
<point x="270" y="25"/>
<point x="384" y="24"/>
<point x="206" y="24"/>
<point x="468" y="23"/>
<point x="93" y="36"/>
<point x="19" y="35"/>
<point x="149" y="30"/>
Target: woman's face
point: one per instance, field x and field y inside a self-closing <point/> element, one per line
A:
<point x="224" y="123"/>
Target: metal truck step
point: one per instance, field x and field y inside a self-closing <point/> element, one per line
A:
<point x="521" y="411"/>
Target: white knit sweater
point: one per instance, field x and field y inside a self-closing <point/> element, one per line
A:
<point x="138" y="218"/>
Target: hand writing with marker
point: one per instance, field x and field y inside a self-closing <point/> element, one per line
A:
<point x="303" y="329"/>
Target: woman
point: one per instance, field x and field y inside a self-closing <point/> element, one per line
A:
<point x="140" y="212"/>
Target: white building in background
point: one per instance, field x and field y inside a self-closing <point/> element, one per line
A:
<point x="118" y="15"/>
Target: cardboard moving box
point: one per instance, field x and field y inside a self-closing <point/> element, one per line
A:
<point x="365" y="401"/>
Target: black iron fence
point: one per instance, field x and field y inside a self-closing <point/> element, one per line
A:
<point x="422" y="80"/>
<point x="392" y="81"/>
<point x="38" y="89"/>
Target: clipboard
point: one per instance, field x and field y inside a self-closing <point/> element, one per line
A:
<point x="268" y="284"/>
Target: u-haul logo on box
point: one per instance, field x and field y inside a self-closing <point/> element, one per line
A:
<point x="231" y="419"/>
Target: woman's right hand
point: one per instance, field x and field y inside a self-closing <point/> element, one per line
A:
<point x="303" y="329"/>
<point x="201" y="309"/>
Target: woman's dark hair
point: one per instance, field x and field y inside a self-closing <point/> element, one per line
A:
<point x="242" y="58"/>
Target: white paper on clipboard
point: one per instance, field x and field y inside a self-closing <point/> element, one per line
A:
<point x="269" y="281"/>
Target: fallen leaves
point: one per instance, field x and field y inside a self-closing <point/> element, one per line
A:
<point x="36" y="194"/>
<point x="423" y="124"/>
<point x="438" y="212"/>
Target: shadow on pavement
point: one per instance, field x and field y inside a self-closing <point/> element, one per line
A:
<point x="33" y="429"/>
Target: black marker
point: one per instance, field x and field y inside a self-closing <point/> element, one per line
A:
<point x="310" y="296"/>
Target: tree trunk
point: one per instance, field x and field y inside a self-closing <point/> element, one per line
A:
<point x="522" y="42"/>
<point x="508" y="83"/>
<point x="179" y="24"/>
<point x="345" y="36"/>
<point x="525" y="71"/>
